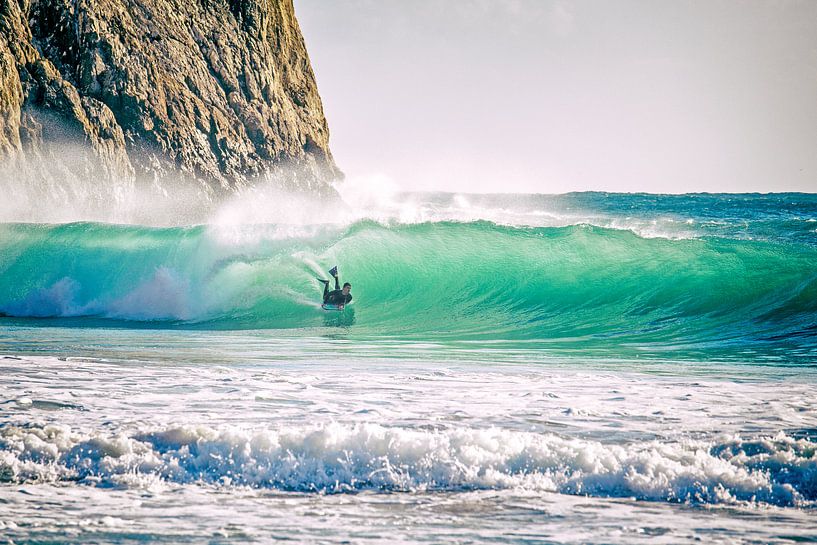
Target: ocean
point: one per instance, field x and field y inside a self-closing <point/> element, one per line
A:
<point x="579" y="368"/>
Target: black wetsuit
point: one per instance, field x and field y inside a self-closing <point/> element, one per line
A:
<point x="335" y="297"/>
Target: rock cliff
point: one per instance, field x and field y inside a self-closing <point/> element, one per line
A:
<point x="217" y="91"/>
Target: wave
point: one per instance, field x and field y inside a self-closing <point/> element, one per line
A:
<point x="337" y="458"/>
<point x="449" y="280"/>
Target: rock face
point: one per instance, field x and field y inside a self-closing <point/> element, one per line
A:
<point x="220" y="91"/>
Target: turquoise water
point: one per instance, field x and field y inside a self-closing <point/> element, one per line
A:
<point x="518" y="368"/>
<point x="744" y="284"/>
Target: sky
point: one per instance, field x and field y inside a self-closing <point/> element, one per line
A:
<point x="549" y="96"/>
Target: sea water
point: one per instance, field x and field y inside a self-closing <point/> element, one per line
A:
<point x="581" y="368"/>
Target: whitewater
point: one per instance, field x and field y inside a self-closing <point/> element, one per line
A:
<point x="580" y="368"/>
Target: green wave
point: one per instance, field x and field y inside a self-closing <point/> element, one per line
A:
<point x="580" y="285"/>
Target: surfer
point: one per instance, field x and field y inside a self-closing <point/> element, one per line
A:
<point x="339" y="296"/>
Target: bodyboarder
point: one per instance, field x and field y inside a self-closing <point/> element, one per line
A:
<point x="339" y="297"/>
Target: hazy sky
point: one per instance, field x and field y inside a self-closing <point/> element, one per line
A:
<point x="553" y="96"/>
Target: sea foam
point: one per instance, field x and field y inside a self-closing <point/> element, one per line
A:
<point x="338" y="458"/>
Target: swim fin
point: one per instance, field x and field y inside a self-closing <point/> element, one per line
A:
<point x="334" y="271"/>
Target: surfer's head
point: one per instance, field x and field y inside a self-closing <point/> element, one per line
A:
<point x="347" y="287"/>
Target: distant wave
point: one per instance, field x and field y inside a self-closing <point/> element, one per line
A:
<point x="339" y="458"/>
<point x="475" y="280"/>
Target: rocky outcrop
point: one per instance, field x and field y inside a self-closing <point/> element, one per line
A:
<point x="11" y="101"/>
<point x="220" y="91"/>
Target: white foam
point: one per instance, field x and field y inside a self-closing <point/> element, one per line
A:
<point x="345" y="457"/>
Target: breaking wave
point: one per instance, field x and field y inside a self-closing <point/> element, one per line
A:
<point x="580" y="284"/>
<point x="338" y="458"/>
